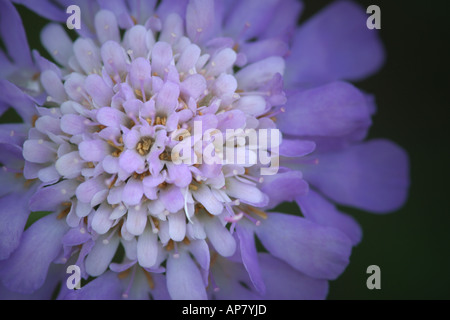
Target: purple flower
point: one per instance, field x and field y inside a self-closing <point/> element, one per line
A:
<point x="142" y="82"/>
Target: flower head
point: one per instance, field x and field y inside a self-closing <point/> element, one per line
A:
<point x="131" y="150"/>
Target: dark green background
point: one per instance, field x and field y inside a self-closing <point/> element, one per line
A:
<point x="411" y="246"/>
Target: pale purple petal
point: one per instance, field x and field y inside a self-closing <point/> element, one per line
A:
<point x="172" y="198"/>
<point x="100" y="221"/>
<point x="184" y="280"/>
<point x="133" y="192"/>
<point x="258" y="73"/>
<point x="106" y="26"/>
<point x="131" y="161"/>
<point x="88" y="189"/>
<point x="219" y="236"/>
<point x="204" y="195"/>
<point x="49" y="198"/>
<point x="147" y="248"/>
<point x="245" y="192"/>
<point x="69" y="165"/>
<point x="136" y="219"/>
<point x="101" y="255"/>
<point x="100" y="92"/>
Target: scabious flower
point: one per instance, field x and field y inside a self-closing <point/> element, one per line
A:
<point x="143" y="221"/>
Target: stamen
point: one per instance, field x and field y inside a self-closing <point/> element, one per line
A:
<point x="155" y="230"/>
<point x="170" y="245"/>
<point x="273" y="113"/>
<point x="65" y="211"/>
<point x="124" y="274"/>
<point x="235" y="218"/>
<point x="127" y="291"/>
<point x="16" y="171"/>
<point x="33" y="120"/>
<point x="176" y="255"/>
<point x="144" y="145"/>
<point x="246" y="180"/>
<point x="111" y="184"/>
<point x="186" y="208"/>
<point x="258" y="212"/>
<point x="213" y="282"/>
<point x="255" y="221"/>
<point x="149" y="278"/>
<point x="233" y="227"/>
<point x="107" y="240"/>
<point x="114" y="145"/>
<point x="244" y="29"/>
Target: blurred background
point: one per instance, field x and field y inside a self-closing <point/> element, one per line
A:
<point x="411" y="246"/>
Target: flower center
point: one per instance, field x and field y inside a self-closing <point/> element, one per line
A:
<point x="113" y="123"/>
<point x="144" y="145"/>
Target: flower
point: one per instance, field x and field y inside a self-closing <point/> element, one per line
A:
<point x="127" y="153"/>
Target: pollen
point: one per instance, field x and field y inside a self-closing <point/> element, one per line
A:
<point x="144" y="145"/>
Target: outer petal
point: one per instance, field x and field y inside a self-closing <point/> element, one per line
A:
<point x="49" y="198"/>
<point x="43" y="293"/>
<point x="316" y="208"/>
<point x="45" y="8"/>
<point x="229" y="277"/>
<point x="373" y="176"/>
<point x="319" y="252"/>
<point x="13" y="34"/>
<point x="284" y="186"/>
<point x="105" y="287"/>
<point x="13" y="216"/>
<point x="333" y="110"/>
<point x="250" y="18"/>
<point x="184" y="280"/>
<point x="250" y="256"/>
<point x="16" y="98"/>
<point x="26" y="269"/>
<point x="333" y="45"/>
<point x="285" y="283"/>
<point x="284" y="20"/>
